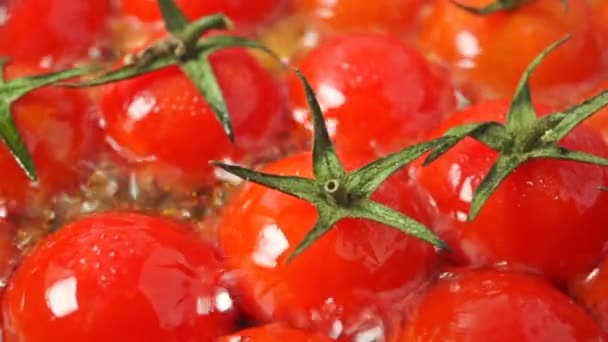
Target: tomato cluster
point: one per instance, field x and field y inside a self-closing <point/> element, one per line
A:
<point x="452" y="193"/>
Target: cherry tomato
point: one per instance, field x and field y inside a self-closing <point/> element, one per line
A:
<point x="391" y="16"/>
<point x="61" y="133"/>
<point x="489" y="53"/>
<point x="591" y="290"/>
<point x="119" y="277"/>
<point x="358" y="264"/>
<point x="274" y="332"/>
<point x="375" y="81"/>
<point x="246" y="13"/>
<point x="548" y="215"/>
<point x="501" y="307"/>
<point x="51" y="30"/>
<point x="160" y="119"/>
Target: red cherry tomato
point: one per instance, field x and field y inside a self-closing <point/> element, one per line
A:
<point x="161" y="118"/>
<point x="591" y="290"/>
<point x="376" y="91"/>
<point x="489" y="53"/>
<point x="548" y="215"/>
<point x="53" y="30"/>
<point x="119" y="277"/>
<point x="275" y="332"/>
<point x="500" y="307"/>
<point x="358" y="264"/>
<point x="246" y="13"/>
<point x="392" y="16"/>
<point x="59" y="131"/>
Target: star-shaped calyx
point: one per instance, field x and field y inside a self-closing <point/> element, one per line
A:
<point x="336" y="193"/>
<point x="498" y="6"/>
<point x="186" y="48"/>
<point x="525" y="136"/>
<point x="13" y="90"/>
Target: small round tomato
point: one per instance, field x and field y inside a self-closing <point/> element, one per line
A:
<point x="391" y="16"/>
<point x="51" y="30"/>
<point x="246" y="13"/>
<point x="161" y="119"/>
<point x="119" y="277"/>
<point x="591" y="291"/>
<point x="548" y="215"/>
<point x="501" y="307"/>
<point x="357" y="264"/>
<point x="489" y="53"/>
<point x="275" y="332"/>
<point x="373" y="80"/>
<point x="61" y="133"/>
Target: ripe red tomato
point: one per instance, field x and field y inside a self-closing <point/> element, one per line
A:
<point x="501" y="307"/>
<point x="376" y="81"/>
<point x="275" y="332"/>
<point x="60" y="131"/>
<point x="591" y="291"/>
<point x="392" y="16"/>
<point x="246" y="13"/>
<point x="548" y="215"/>
<point x="358" y="264"/>
<point x="119" y="277"/>
<point x="162" y="120"/>
<point x="489" y="53"/>
<point x="51" y="30"/>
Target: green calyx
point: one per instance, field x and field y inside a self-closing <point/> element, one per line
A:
<point x="498" y="6"/>
<point x="338" y="194"/>
<point x="190" y="52"/>
<point x="525" y="136"/>
<point x="13" y="90"/>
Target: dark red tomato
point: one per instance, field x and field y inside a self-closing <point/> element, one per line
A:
<point x="358" y="264"/>
<point x="500" y="307"/>
<point x="119" y="277"/>
<point x="274" y="332"/>
<point x="489" y="54"/>
<point x="376" y="91"/>
<point x="51" y="30"/>
<point x="246" y="13"/>
<point x="591" y="290"/>
<point x="162" y="120"/>
<point x="59" y="130"/>
<point x="548" y="215"/>
<point x="391" y="16"/>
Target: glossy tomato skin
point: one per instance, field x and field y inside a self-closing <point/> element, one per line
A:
<point x="591" y="291"/>
<point x="377" y="92"/>
<point x="274" y="332"/>
<point x="119" y="277"/>
<point x="52" y="30"/>
<point x="489" y="54"/>
<point x="246" y="14"/>
<point x="391" y="16"/>
<point x="357" y="265"/>
<point x="548" y="215"/>
<point x="61" y="132"/>
<point x="502" y="307"/>
<point x="161" y="120"/>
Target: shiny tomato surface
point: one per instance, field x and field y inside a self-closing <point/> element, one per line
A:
<point x="377" y="92"/>
<point x="275" y="333"/>
<point x="488" y="54"/>
<point x="119" y="277"/>
<point x="356" y="266"/>
<point x="161" y="119"/>
<point x="501" y="307"/>
<point x="548" y="215"/>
